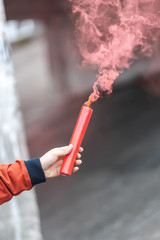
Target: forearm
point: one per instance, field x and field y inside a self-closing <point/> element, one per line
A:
<point x="19" y="176"/>
<point x="23" y="175"/>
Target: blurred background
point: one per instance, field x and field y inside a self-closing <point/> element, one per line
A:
<point x="116" y="193"/>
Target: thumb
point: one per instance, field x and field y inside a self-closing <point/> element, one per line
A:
<point x="62" y="151"/>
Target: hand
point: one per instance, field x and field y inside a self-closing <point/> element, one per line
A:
<point x="51" y="161"/>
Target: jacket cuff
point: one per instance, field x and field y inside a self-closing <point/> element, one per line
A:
<point x="35" y="171"/>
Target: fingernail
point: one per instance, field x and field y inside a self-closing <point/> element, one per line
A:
<point x="70" y="145"/>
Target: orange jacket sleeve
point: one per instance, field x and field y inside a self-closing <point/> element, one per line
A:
<point x="14" y="178"/>
<point x="19" y="176"/>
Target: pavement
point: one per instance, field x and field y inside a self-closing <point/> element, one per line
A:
<point x="116" y="193"/>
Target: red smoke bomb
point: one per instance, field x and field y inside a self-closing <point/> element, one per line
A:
<point x="76" y="140"/>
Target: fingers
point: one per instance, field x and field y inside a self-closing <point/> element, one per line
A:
<point x="78" y="155"/>
<point x="75" y="169"/>
<point x="62" y="151"/>
<point x="78" y="162"/>
<point x="81" y="149"/>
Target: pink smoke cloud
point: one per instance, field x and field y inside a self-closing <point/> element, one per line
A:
<point x="111" y="34"/>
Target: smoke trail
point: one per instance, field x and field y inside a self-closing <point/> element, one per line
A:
<point x="112" y="33"/>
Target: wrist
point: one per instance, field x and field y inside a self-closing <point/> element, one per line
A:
<point x="35" y="171"/>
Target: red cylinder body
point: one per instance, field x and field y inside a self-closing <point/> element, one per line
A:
<point x="76" y="140"/>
